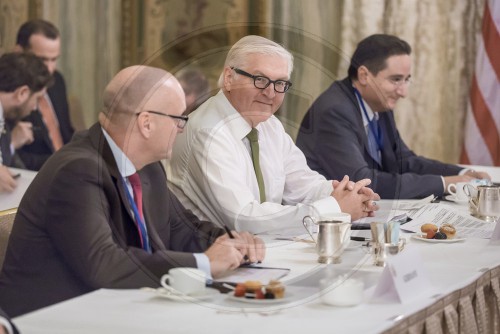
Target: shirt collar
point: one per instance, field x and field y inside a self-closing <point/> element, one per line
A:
<point x="125" y="166"/>
<point x="236" y="123"/>
<point x="369" y="111"/>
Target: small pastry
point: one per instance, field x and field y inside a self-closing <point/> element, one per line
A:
<point x="449" y="230"/>
<point x="426" y="227"/>
<point x="275" y="288"/>
<point x="252" y="286"/>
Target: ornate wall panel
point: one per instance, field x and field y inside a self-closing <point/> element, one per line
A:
<point x="12" y="14"/>
<point x="173" y="34"/>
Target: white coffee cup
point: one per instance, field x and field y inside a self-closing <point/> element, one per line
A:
<point x="457" y="190"/>
<point x="188" y="281"/>
<point x="341" y="291"/>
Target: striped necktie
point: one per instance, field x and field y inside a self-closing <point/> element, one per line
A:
<point x="253" y="137"/>
<point x="50" y="120"/>
<point x="135" y="182"/>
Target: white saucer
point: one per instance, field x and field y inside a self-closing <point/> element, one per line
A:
<point x="285" y="299"/>
<point x="420" y="237"/>
<point x="207" y="294"/>
<point x="452" y="198"/>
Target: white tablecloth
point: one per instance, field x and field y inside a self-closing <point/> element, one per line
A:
<point x="12" y="200"/>
<point x="450" y="267"/>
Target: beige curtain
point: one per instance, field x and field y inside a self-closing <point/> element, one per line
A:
<point x="12" y="14"/>
<point x="443" y="36"/>
<point x="90" y="49"/>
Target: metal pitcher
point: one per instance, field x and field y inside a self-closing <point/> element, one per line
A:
<point x="333" y="236"/>
<point x="484" y="201"/>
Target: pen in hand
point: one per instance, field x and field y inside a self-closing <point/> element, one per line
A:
<point x="231" y="236"/>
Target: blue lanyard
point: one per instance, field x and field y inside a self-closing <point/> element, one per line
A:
<point x="141" y="226"/>
<point x="371" y="123"/>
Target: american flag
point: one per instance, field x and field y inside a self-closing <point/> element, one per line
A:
<point x="482" y="125"/>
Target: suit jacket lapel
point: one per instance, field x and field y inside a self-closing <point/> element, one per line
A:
<point x="100" y="143"/>
<point x="349" y="91"/>
<point x="148" y="203"/>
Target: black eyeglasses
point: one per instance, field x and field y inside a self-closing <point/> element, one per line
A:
<point x="262" y="82"/>
<point x="182" y="120"/>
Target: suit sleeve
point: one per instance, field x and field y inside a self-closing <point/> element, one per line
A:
<point x="89" y="242"/>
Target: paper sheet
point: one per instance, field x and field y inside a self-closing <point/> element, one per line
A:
<point x="254" y="273"/>
<point x="465" y="224"/>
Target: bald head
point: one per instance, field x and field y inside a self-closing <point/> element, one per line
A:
<point x="140" y="106"/>
<point x="136" y="88"/>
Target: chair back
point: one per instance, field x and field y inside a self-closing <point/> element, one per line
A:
<point x="6" y="222"/>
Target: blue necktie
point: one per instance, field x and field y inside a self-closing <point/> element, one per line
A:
<point x="374" y="132"/>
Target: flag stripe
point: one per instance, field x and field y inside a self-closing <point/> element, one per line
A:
<point x="483" y="117"/>
<point x="474" y="143"/>
<point x="488" y="83"/>
<point x="491" y="39"/>
<point x="482" y="124"/>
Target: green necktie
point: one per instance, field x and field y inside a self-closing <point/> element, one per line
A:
<point x="253" y="137"/>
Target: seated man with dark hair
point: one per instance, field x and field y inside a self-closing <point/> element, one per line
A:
<point x="23" y="79"/>
<point x="350" y="128"/>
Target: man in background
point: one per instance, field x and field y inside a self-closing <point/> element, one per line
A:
<point x="99" y="213"/>
<point x="49" y="126"/>
<point x="350" y="129"/>
<point x="23" y="80"/>
<point x="235" y="165"/>
<point x="195" y="85"/>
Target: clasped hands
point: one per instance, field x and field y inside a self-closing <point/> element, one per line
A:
<point x="355" y="198"/>
<point x="228" y="253"/>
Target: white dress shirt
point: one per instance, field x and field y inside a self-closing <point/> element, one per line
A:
<point x="212" y="172"/>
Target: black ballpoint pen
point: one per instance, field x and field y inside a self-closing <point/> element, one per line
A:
<point x="228" y="231"/>
<point x="360" y="239"/>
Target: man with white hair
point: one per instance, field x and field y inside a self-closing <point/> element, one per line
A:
<point x="235" y="165"/>
<point x="99" y="213"/>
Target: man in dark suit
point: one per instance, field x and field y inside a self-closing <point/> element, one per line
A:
<point x="350" y="128"/>
<point x="50" y="123"/>
<point x="23" y="79"/>
<point x="83" y="225"/>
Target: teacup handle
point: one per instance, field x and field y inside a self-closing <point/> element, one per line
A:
<point x="452" y="189"/>
<point x="164" y="283"/>
<point x="305" y="222"/>
<point x="467" y="191"/>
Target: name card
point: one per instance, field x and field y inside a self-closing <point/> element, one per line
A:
<point x="403" y="279"/>
<point x="495" y="236"/>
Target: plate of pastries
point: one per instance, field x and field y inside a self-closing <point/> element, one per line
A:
<point x="446" y="233"/>
<point x="255" y="292"/>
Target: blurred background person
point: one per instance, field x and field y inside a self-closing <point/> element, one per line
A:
<point x="51" y="125"/>
<point x="23" y="80"/>
<point x="195" y="85"/>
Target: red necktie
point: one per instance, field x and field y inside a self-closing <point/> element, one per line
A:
<point x="49" y="118"/>
<point x="135" y="182"/>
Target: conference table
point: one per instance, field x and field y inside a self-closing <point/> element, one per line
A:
<point x="464" y="278"/>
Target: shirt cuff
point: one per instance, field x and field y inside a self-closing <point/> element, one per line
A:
<point x="203" y="263"/>
<point x="445" y="191"/>
<point x="327" y="205"/>
<point x="465" y="170"/>
<point x="6" y="324"/>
